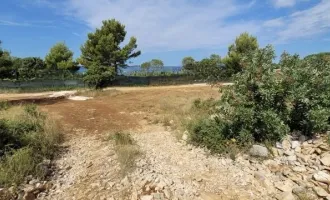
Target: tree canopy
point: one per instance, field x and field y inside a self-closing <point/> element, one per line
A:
<point x="6" y="63"/>
<point x="104" y="46"/>
<point x="154" y="64"/>
<point x="145" y="66"/>
<point x="244" y="44"/>
<point x="60" y="57"/>
<point x="29" y="67"/>
<point x="188" y="63"/>
<point x="209" y="69"/>
<point x="325" y="56"/>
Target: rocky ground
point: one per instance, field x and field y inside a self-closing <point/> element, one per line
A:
<point x="172" y="169"/>
<point x="169" y="167"/>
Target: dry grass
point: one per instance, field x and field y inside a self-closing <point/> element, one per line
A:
<point x="27" y="137"/>
<point x="178" y="112"/>
<point x="127" y="151"/>
<point x="98" y="93"/>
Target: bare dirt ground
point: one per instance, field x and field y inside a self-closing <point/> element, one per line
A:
<point x="167" y="168"/>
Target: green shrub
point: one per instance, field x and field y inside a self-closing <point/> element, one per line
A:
<point x="266" y="103"/>
<point x="16" y="166"/>
<point x="27" y="136"/>
<point x="309" y="84"/>
<point x="4" y="105"/>
<point x="99" y="76"/>
<point x="6" y="138"/>
<point x="208" y="133"/>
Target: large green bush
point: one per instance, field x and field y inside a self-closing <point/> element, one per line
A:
<point x="265" y="103"/>
<point x="309" y="83"/>
<point x="99" y="76"/>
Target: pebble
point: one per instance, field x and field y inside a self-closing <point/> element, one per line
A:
<point x="320" y="192"/>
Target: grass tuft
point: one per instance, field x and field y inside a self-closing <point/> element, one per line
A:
<point x="27" y="137"/>
<point x="4" y="105"/>
<point x="14" y="167"/>
<point x="127" y="151"/>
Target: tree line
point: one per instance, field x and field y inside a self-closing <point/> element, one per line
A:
<point x="104" y="55"/>
<point x="59" y="58"/>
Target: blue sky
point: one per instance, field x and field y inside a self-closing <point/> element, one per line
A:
<point x="167" y="29"/>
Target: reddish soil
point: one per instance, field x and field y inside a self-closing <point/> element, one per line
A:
<point x="124" y="110"/>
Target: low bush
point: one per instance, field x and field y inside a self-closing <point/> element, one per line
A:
<point x="27" y="137"/>
<point x="267" y="101"/>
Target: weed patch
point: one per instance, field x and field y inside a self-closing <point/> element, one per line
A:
<point x="127" y="151"/>
<point x="27" y="137"/>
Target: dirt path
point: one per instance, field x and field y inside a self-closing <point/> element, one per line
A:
<point x="183" y="171"/>
<point x="38" y="95"/>
<point x="168" y="169"/>
<point x="90" y="170"/>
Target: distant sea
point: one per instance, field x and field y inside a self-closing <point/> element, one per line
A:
<point x="130" y="69"/>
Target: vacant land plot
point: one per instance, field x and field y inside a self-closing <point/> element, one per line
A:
<point x="128" y="143"/>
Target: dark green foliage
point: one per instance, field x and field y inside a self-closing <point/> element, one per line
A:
<point x="153" y="65"/>
<point x="5" y="136"/>
<point x="145" y="73"/>
<point x="6" y="69"/>
<point x="145" y="66"/>
<point x="188" y="63"/>
<point x="244" y="45"/>
<point x="99" y="76"/>
<point x="308" y="80"/>
<point x="59" y="61"/>
<point x="324" y="56"/>
<point x="60" y="57"/>
<point x="156" y="64"/>
<point x="252" y="110"/>
<point x="268" y="100"/>
<point x="104" y="47"/>
<point x="207" y="133"/>
<point x="29" y="68"/>
<point x="209" y="69"/>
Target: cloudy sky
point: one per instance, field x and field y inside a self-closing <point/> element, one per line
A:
<point x="167" y="29"/>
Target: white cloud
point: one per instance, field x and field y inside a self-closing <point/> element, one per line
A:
<point x="306" y="23"/>
<point x="278" y="22"/>
<point x="76" y="34"/>
<point x="168" y="25"/>
<point x="31" y="23"/>
<point x="284" y="3"/>
<point x="13" y="23"/>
